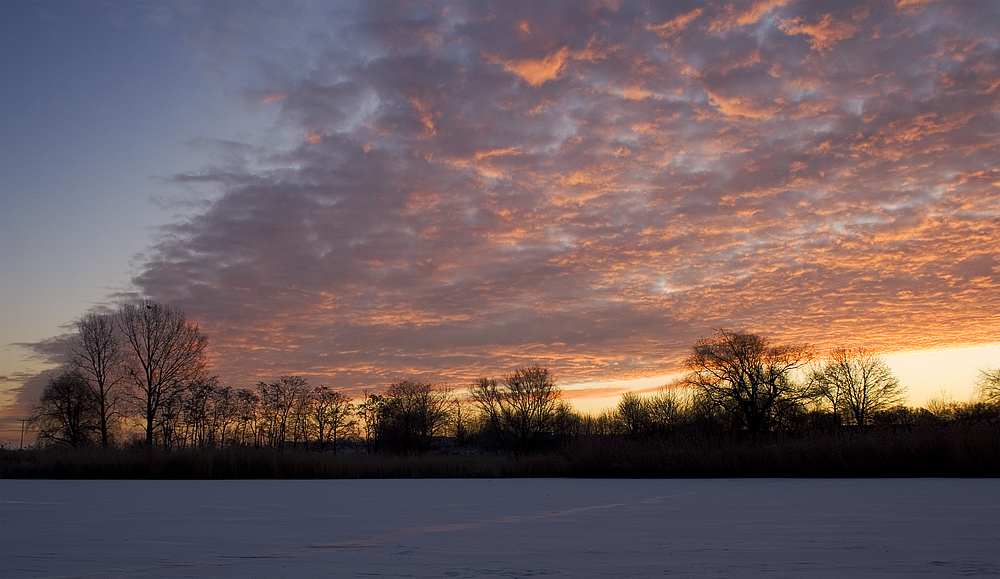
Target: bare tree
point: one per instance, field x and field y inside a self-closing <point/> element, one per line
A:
<point x="857" y="383"/>
<point x="749" y="378"/>
<point x="412" y="414"/>
<point x="67" y="411"/>
<point x="225" y="413"/>
<point x="97" y="356"/>
<point x="988" y="385"/>
<point x="459" y="416"/>
<point x="332" y="417"/>
<point x="635" y="414"/>
<point x="277" y="400"/>
<point x="196" y="412"/>
<point x="670" y="406"/>
<point x="371" y="411"/>
<point x="657" y="414"/>
<point x="165" y="353"/>
<point x="247" y="417"/>
<point x="522" y="409"/>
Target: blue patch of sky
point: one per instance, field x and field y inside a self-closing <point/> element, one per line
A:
<point x="98" y="103"/>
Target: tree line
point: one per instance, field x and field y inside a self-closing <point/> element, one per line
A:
<point x="146" y="363"/>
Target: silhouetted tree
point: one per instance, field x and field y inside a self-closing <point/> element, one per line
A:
<point x="225" y="413"/>
<point x="657" y="414"/>
<point x="670" y="406"/>
<point x="522" y="409"/>
<point x="988" y="386"/>
<point x="332" y="416"/>
<point x="412" y="413"/>
<point x="169" y="420"/>
<point x="277" y="400"/>
<point x="459" y="415"/>
<point x="857" y="383"/>
<point x="97" y="356"/>
<point x="196" y="412"/>
<point x="371" y="412"/>
<point x="635" y="414"/>
<point x="749" y="378"/>
<point x="247" y="417"/>
<point x="165" y="353"/>
<point x="67" y="411"/>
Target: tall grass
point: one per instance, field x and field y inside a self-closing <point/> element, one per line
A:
<point x="952" y="450"/>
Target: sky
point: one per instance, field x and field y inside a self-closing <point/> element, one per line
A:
<point x="360" y="192"/>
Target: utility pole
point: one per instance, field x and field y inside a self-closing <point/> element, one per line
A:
<point x="22" y="421"/>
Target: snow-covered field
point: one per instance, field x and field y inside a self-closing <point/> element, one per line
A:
<point x="500" y="528"/>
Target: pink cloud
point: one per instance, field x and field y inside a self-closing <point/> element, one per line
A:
<point x="593" y="188"/>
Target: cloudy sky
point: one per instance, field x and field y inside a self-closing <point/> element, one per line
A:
<point x="362" y="191"/>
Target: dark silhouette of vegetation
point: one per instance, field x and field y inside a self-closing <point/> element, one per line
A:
<point x="857" y="383"/>
<point x="747" y="407"/>
<point x="522" y="410"/>
<point x="988" y="386"/>
<point x="68" y="411"/>
<point x="165" y="354"/>
<point x="412" y="413"/>
<point x="97" y="356"/>
<point x="749" y="379"/>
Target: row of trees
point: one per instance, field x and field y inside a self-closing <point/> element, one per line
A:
<point x="146" y="363"/>
<point x="137" y="360"/>
<point x="518" y="412"/>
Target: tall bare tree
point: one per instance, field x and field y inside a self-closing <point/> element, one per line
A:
<point x="97" y="356"/>
<point x="857" y="383"/>
<point x="521" y="409"/>
<point x="749" y="378"/>
<point x="165" y="353"/>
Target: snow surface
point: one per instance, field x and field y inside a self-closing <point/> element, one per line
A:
<point x="579" y="528"/>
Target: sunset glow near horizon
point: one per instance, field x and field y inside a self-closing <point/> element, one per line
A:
<point x="360" y="192"/>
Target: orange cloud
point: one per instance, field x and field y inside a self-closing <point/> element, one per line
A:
<point x="274" y="97"/>
<point x="730" y="20"/>
<point x="823" y="35"/>
<point x="538" y="72"/>
<point x="671" y="27"/>
<point x="636" y="93"/>
<point x="741" y="107"/>
<point x="425" y="114"/>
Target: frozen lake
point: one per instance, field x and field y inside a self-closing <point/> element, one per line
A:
<point x="501" y="528"/>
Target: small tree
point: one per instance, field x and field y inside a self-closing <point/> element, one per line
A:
<point x="412" y="414"/>
<point x="277" y="400"/>
<point x="988" y="386"/>
<point x="196" y="412"/>
<point x="67" y="412"/>
<point x="749" y="378"/>
<point x="371" y="412"/>
<point x="225" y="414"/>
<point x="248" y="417"/>
<point x="857" y="383"/>
<point x="332" y="416"/>
<point x="635" y="414"/>
<point x="669" y="406"/>
<point x="522" y="409"/>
